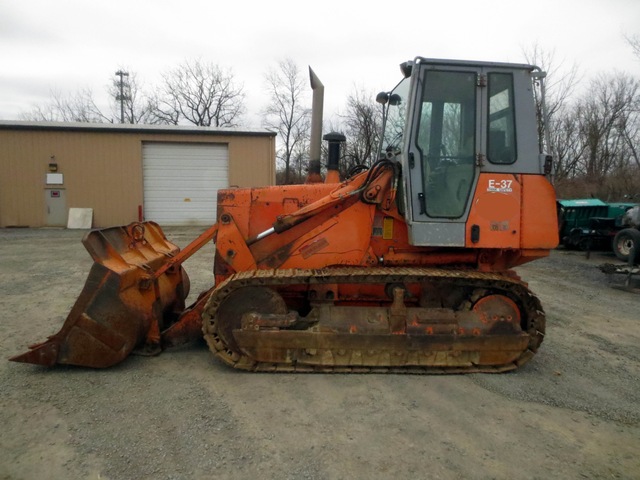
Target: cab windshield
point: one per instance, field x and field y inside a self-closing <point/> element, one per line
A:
<point x="395" y="123"/>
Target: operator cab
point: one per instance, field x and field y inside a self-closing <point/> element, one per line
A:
<point x="447" y="122"/>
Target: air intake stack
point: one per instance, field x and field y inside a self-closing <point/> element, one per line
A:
<point x="333" y="163"/>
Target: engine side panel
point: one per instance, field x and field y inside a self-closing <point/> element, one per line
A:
<point x="495" y="212"/>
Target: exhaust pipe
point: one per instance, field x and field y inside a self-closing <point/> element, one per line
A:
<point x="314" y="175"/>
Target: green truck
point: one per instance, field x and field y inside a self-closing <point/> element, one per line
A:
<point x="591" y="224"/>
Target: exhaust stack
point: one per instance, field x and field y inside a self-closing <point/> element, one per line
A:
<point x="314" y="175"/>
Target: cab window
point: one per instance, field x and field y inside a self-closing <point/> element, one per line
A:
<point x="501" y="141"/>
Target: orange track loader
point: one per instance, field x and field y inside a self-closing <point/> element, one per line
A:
<point x="404" y="266"/>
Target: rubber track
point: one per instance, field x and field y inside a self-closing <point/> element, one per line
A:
<point x="533" y="311"/>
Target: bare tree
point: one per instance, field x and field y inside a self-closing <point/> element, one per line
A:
<point x="632" y="129"/>
<point x="606" y="116"/>
<point x="362" y="123"/>
<point x="602" y="129"/>
<point x="79" y="107"/>
<point x="138" y="107"/>
<point x="560" y="83"/>
<point x="561" y="80"/>
<point x="634" y="43"/>
<point x="199" y="93"/>
<point x="287" y="115"/>
<point x="164" y="110"/>
<point x="300" y="154"/>
<point x="568" y="147"/>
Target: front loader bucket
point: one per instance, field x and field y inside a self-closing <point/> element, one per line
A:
<point x="122" y="306"/>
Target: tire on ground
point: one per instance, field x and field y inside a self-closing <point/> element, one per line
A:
<point x="626" y="240"/>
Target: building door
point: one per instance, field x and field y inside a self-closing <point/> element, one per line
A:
<point x="181" y="182"/>
<point x="55" y="207"/>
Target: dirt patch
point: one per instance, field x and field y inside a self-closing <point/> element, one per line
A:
<point x="572" y="412"/>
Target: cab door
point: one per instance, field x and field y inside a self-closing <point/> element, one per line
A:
<point x="443" y="163"/>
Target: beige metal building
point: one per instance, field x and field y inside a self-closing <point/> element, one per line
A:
<point x="125" y="173"/>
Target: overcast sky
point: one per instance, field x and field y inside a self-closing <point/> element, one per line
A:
<point x="67" y="45"/>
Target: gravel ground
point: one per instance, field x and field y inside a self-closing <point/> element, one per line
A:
<point x="572" y="412"/>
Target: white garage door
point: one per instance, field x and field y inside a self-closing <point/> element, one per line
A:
<point x="181" y="182"/>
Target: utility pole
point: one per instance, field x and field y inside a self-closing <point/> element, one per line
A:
<point x="121" y="97"/>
